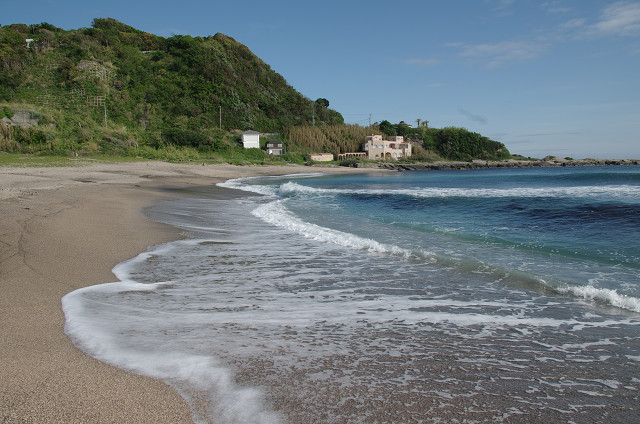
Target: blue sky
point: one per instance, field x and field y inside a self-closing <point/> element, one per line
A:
<point x="559" y="77"/>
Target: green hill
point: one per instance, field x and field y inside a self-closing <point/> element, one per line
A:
<point x="110" y="87"/>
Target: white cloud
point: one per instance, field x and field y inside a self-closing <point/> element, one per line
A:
<point x="501" y="8"/>
<point x="558" y="10"/>
<point x="498" y="54"/>
<point x="621" y="18"/>
<point x="422" y="61"/>
<point x="555" y="7"/>
<point x="618" y="19"/>
<point x="502" y="4"/>
<point x="574" y="23"/>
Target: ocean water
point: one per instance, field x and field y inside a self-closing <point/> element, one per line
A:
<point x="501" y="295"/>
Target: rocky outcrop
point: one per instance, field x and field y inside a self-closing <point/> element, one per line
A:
<point x="511" y="163"/>
<point x="23" y="118"/>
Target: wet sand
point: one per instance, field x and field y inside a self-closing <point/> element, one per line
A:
<point x="64" y="228"/>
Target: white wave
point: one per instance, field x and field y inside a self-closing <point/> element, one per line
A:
<point x="613" y="191"/>
<point x="295" y="188"/>
<point x="245" y="184"/>
<point x="276" y="214"/>
<point x="608" y="296"/>
<point x="226" y="402"/>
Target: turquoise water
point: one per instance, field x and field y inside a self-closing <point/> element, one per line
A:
<point x="578" y="226"/>
<point x="487" y="296"/>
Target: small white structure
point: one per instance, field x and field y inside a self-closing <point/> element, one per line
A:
<point x="251" y="139"/>
<point x="321" y="157"/>
<point x="29" y="41"/>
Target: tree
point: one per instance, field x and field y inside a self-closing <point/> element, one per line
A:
<point x="322" y="102"/>
<point x="402" y="129"/>
<point x="387" y="128"/>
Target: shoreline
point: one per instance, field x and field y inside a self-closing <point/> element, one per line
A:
<point x="65" y="228"/>
<point x="547" y="162"/>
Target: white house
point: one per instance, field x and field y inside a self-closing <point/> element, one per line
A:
<point x="275" y="148"/>
<point x="392" y="149"/>
<point x="251" y="139"/>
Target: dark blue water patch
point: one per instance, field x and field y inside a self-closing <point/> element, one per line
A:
<point x="609" y="224"/>
<point x="603" y="231"/>
<point x="554" y="212"/>
<point x="391" y="201"/>
<point x="601" y="213"/>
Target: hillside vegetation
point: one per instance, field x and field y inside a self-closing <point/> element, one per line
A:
<point x="113" y="89"/>
<point x="334" y="139"/>
<point x="450" y="143"/>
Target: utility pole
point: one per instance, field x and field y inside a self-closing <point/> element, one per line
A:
<point x="313" y="118"/>
<point x="369" y="119"/>
<point x="220" y="116"/>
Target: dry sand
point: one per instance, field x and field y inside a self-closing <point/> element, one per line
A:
<point x="64" y="228"/>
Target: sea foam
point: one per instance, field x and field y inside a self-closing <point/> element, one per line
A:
<point x="612" y="192"/>
<point x="198" y="378"/>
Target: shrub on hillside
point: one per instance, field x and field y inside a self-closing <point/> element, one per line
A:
<point x="186" y="138"/>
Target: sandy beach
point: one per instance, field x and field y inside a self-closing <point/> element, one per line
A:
<point x="64" y="228"/>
